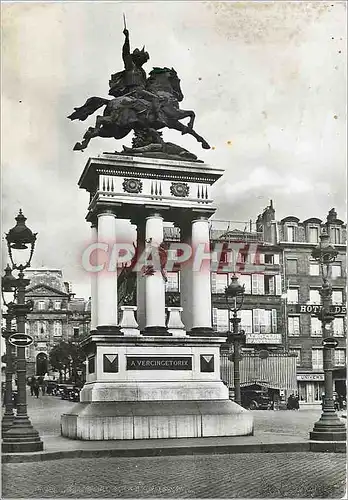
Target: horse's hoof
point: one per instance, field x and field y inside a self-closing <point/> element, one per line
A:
<point x="78" y="147"/>
<point x="205" y="145"/>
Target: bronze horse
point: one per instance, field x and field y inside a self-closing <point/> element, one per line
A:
<point x="153" y="109"/>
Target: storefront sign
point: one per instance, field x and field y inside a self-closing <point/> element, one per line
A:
<point x="311" y="377"/>
<point x="159" y="363"/>
<point x="263" y="338"/>
<point x="314" y="309"/>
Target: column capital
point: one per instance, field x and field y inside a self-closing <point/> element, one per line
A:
<point x="154" y="215"/>
<point x="106" y="211"/>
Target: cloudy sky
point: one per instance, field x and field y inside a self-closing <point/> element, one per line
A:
<point x="266" y="80"/>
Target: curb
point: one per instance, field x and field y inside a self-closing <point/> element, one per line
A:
<point x="156" y="452"/>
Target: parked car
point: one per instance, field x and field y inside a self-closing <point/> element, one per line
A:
<point x="255" y="398"/>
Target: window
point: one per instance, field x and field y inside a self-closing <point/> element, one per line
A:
<point x="317" y="359"/>
<point x="314" y="297"/>
<point x="315" y="327"/>
<point x="246" y="317"/>
<point x="172" y="284"/>
<point x="269" y="259"/>
<point x="41" y="305"/>
<point x="291" y="265"/>
<point x="338" y="327"/>
<point x="257" y="284"/>
<point x="337" y="297"/>
<point x="57" y="329"/>
<point x="336" y="235"/>
<point x="76" y="332"/>
<point x="292" y="295"/>
<point x="264" y="321"/>
<point x="41" y="328"/>
<point x="290" y="231"/>
<point x="297" y="351"/>
<point x="336" y="270"/>
<point x="340" y="357"/>
<point x="57" y="304"/>
<point x="313" y="234"/>
<point x="269" y="285"/>
<point x="219" y="282"/>
<point x="314" y="269"/>
<point x="294" y="326"/>
<point x="220" y="320"/>
<point x="27" y="328"/>
<point x="245" y="279"/>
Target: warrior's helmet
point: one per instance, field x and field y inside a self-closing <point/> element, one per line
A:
<point x="140" y="57"/>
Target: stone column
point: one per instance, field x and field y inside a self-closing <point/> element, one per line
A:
<point x="201" y="289"/>
<point x="107" y="280"/>
<point x="186" y="278"/>
<point x="140" y="279"/>
<point x="94" y="285"/>
<point x="154" y="284"/>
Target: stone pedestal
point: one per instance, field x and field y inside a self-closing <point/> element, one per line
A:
<point x="148" y="378"/>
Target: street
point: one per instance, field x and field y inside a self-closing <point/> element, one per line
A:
<point x="249" y="475"/>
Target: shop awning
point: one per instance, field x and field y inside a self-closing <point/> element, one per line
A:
<point x="277" y="371"/>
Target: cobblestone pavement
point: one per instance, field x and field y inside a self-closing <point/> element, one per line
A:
<point x="273" y="475"/>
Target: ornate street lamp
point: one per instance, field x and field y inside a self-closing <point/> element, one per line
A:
<point x="329" y="427"/>
<point x="234" y="294"/>
<point x="21" y="436"/>
<point x="8" y="290"/>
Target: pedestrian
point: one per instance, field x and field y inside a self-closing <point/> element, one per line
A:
<point x="31" y="382"/>
<point x="296" y="402"/>
<point x="36" y="387"/>
<point x="290" y="403"/>
<point x="41" y="384"/>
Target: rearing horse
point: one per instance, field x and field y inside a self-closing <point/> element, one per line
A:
<point x="154" y="108"/>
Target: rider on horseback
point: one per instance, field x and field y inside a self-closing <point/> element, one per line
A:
<point x="132" y="80"/>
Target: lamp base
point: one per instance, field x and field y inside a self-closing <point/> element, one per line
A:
<point x="21" y="437"/>
<point x="7" y="421"/>
<point x="328" y="428"/>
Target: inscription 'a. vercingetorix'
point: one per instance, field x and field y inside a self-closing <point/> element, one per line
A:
<point x="159" y="363"/>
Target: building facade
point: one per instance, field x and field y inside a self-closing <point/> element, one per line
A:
<point x="57" y="315"/>
<point x="303" y="281"/>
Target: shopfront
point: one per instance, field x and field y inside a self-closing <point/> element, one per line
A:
<point x="310" y="387"/>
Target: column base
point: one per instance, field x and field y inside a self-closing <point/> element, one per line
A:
<point x="202" y="331"/>
<point x="156" y="420"/>
<point x="154" y="331"/>
<point x="21" y="437"/>
<point x="109" y="329"/>
<point x="328" y="428"/>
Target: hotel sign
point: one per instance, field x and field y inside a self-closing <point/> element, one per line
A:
<point x="263" y="338"/>
<point x="159" y="363"/>
<point x="314" y="309"/>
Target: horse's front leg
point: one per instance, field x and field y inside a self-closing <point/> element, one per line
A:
<point x="175" y="113"/>
<point x="182" y="113"/>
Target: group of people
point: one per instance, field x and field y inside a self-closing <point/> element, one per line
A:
<point x="36" y="385"/>
<point x="293" y="402"/>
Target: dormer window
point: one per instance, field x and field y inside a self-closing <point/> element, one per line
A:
<point x="41" y="305"/>
<point x="290" y="232"/>
<point x="336" y="235"/>
<point x="313" y="234"/>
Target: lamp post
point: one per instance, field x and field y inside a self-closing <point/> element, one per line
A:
<point x="8" y="286"/>
<point x="21" y="436"/>
<point x="329" y="427"/>
<point x="234" y="294"/>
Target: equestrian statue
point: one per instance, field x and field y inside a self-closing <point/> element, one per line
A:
<point x="140" y="104"/>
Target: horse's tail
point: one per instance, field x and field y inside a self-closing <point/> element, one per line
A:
<point x="90" y="106"/>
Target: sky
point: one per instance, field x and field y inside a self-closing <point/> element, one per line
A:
<point x="266" y="80"/>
